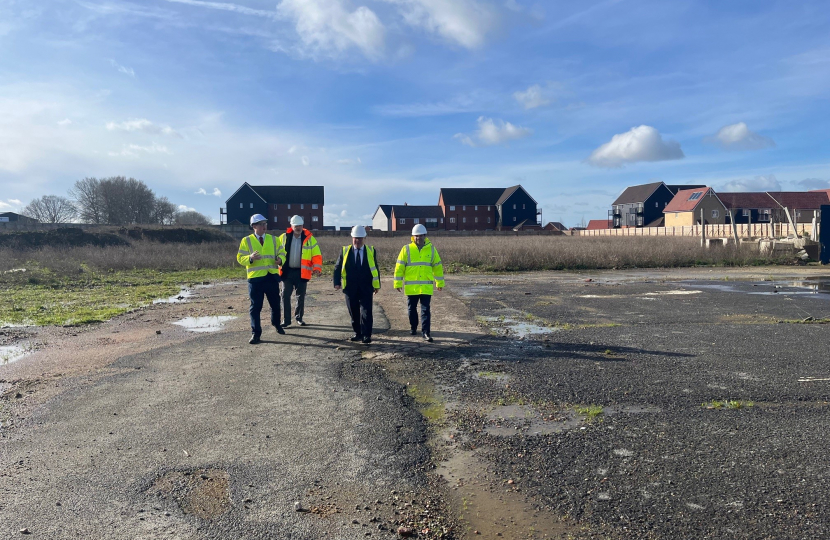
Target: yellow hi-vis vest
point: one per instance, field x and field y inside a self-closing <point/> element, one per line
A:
<point x="271" y="249"/>
<point x="418" y="269"/>
<point x="370" y="258"/>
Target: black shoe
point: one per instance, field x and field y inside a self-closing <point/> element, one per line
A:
<point x="286" y="325"/>
<point x="427" y="337"/>
<point x="280" y="330"/>
<point x="367" y="340"/>
<point x="254" y="339"/>
<point x="413" y="332"/>
<point x="301" y="322"/>
<point x="356" y="338"/>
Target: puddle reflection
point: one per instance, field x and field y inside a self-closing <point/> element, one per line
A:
<point x="12" y="353"/>
<point x="204" y="324"/>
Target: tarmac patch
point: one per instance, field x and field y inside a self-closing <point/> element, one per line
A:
<point x="205" y="493"/>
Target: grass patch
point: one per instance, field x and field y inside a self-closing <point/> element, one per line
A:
<point x="590" y="412"/>
<point x="728" y="404"/>
<point x="429" y="403"/>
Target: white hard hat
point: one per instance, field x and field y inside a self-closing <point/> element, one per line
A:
<point x="297" y="220"/>
<point x="258" y="218"/>
<point x="419" y="229"/>
<point x="358" y="231"/>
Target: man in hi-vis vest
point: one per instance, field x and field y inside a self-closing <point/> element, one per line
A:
<point x="356" y="272"/>
<point x="417" y="270"/>
<point x="262" y="255"/>
<point x="302" y="259"/>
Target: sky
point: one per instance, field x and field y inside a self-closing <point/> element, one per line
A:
<point x="387" y="101"/>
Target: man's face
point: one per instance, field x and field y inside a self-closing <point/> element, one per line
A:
<point x="259" y="228"/>
<point x="357" y="242"/>
<point x="298" y="229"/>
<point x="420" y="239"/>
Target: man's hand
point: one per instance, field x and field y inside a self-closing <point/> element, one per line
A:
<point x="399" y="289"/>
<point x="255" y="256"/>
<point x="337" y="287"/>
<point x="439" y="288"/>
<point x="376" y="291"/>
<point x="317" y="272"/>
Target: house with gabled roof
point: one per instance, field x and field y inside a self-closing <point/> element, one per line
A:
<point x="686" y="207"/>
<point x="13" y="217"/>
<point x="555" y="226"/>
<point x="277" y="203"/>
<point x="597" y="225"/>
<point x="749" y="206"/>
<point x="382" y="218"/>
<point x="643" y="205"/>
<point x="404" y="217"/>
<point x="803" y="206"/>
<point x="469" y="209"/>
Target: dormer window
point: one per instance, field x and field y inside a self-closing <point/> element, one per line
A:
<point x="695" y="196"/>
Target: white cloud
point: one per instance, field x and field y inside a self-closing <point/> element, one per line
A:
<point x="759" y="183"/>
<point x="226" y="6"/>
<point x="814" y="183"/>
<point x="144" y="125"/>
<point x="65" y="122"/>
<point x="492" y="132"/>
<point x="305" y="161"/>
<point x="739" y="137"/>
<point x="134" y="150"/>
<point x="349" y="161"/>
<point x="643" y="143"/>
<point x="328" y="28"/>
<point x="185" y="208"/>
<point x="17" y="202"/>
<point x="200" y="191"/>
<point x="533" y="97"/>
<point x="122" y="69"/>
<point x="464" y="22"/>
<point x="4" y="205"/>
<point x="216" y="192"/>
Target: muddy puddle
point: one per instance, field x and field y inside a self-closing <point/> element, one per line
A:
<point x="518" y="328"/>
<point x="509" y="420"/>
<point x="819" y="287"/>
<point x="183" y="296"/>
<point x="12" y="353"/>
<point x="204" y="324"/>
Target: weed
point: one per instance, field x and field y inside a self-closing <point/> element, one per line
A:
<point x="729" y="404"/>
<point x="590" y="412"/>
<point x="429" y="403"/>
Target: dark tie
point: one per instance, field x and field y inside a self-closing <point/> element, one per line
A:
<point x="262" y="240"/>
<point x="357" y="257"/>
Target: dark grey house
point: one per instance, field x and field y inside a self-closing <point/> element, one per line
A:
<point x="12" y="217"/>
<point x="468" y="209"/>
<point x="277" y="203"/>
<point x="643" y="205"/>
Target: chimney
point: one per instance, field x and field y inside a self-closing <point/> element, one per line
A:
<point x="404" y="204"/>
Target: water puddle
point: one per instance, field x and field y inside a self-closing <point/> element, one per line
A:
<point x="509" y="420"/>
<point x="204" y="324"/>
<point x="12" y="353"/>
<point x="476" y="290"/>
<point x="644" y="296"/>
<point x="517" y="328"/>
<point x="802" y="287"/>
<point x="182" y="296"/>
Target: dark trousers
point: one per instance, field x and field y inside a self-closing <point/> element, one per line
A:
<point x="412" y="307"/>
<point x="259" y="289"/>
<point x="360" y="310"/>
<point x="291" y="281"/>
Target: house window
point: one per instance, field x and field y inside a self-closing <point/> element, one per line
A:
<point x="289" y="206"/>
<point x="463" y="220"/>
<point x="695" y="196"/>
<point x="488" y="220"/>
<point x="657" y="205"/>
<point x="523" y="207"/>
<point x="797" y="214"/>
<point x="442" y="220"/>
<point x="714" y="214"/>
<point x="476" y="220"/>
<point x="314" y="207"/>
<point x="275" y="219"/>
<point x="514" y="217"/>
<point x="302" y="207"/>
<point x="452" y="208"/>
<point x="241" y="205"/>
<point x="476" y="208"/>
<point x="488" y="208"/>
<point x="452" y="220"/>
<point x="746" y="212"/>
<point x="415" y="221"/>
<point x="402" y="221"/>
<point x="275" y="207"/>
<point x="288" y="218"/>
<point x="514" y="207"/>
<point x="315" y="218"/>
<point x="252" y="205"/>
<point x="631" y="218"/>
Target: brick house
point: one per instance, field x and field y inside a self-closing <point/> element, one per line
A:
<point x="277" y="203"/>
<point x="405" y="217"/>
<point x="470" y="209"/>
<point x="685" y="208"/>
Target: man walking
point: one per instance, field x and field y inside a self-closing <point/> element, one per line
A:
<point x="356" y="272"/>
<point x="262" y="254"/>
<point x="302" y="259"/>
<point x="418" y="268"/>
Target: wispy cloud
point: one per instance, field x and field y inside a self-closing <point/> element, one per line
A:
<point x="135" y="150"/>
<point x="491" y="132"/>
<point x="463" y="22"/>
<point x="739" y="137"/>
<point x="472" y="102"/>
<point x="64" y="122"/>
<point x="143" y="125"/>
<point x="200" y="191"/>
<point x="217" y="192"/>
<point x="227" y="6"/>
<point x="814" y="183"/>
<point x="4" y="205"/>
<point x="123" y="69"/>
<point x="643" y="143"/>
<point x="758" y="183"/>
<point x="535" y="96"/>
<point x="306" y="162"/>
<point x="17" y="202"/>
<point x="185" y="208"/>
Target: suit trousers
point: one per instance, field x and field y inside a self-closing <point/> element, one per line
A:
<point x="359" y="303"/>
<point x="412" y="307"/>
<point x="291" y="282"/>
<point x="258" y="289"/>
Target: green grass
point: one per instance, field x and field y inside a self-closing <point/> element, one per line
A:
<point x="728" y="404"/>
<point x="41" y="296"/>
<point x="428" y="401"/>
<point x="590" y="412"/>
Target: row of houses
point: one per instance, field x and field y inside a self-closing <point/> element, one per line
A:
<point x="661" y="205"/>
<point x="461" y="209"/>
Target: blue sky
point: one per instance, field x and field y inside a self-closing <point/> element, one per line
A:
<point x="386" y="101"/>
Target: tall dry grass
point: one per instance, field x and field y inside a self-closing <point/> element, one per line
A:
<point x="486" y="253"/>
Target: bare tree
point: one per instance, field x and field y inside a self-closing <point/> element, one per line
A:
<point x="191" y="217"/>
<point x="127" y="201"/>
<point x="51" y="209"/>
<point x="89" y="200"/>
<point x="164" y="212"/>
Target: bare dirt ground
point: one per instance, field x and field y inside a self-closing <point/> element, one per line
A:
<point x="140" y="428"/>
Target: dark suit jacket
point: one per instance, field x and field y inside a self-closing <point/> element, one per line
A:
<point x="357" y="279"/>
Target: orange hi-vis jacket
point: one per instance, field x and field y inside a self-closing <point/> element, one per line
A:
<point x="312" y="258"/>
